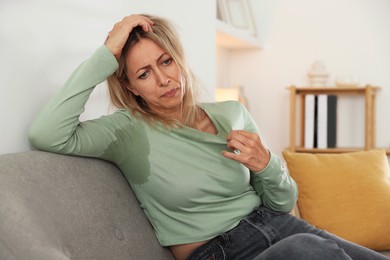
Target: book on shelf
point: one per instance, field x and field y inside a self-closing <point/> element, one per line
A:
<point x="322" y="121"/>
<point x="315" y="127"/>
<point x="332" y="121"/>
<point x="309" y="121"/>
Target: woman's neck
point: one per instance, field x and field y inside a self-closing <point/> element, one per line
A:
<point x="203" y="123"/>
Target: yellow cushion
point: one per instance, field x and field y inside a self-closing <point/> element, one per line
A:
<point x="346" y="194"/>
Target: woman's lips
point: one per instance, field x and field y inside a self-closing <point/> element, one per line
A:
<point x="171" y="93"/>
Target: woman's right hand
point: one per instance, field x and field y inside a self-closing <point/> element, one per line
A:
<point x="119" y="34"/>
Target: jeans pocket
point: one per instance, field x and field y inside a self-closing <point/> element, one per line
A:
<point x="213" y="251"/>
<point x="218" y="253"/>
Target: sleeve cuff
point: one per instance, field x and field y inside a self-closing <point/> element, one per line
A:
<point x="107" y="60"/>
<point x="274" y="165"/>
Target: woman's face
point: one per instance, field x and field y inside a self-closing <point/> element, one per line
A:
<point x="155" y="77"/>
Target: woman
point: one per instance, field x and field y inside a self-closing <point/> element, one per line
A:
<point x="201" y="173"/>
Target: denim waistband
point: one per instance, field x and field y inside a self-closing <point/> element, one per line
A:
<point x="223" y="239"/>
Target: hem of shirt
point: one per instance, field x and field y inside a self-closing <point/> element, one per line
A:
<point x="171" y="241"/>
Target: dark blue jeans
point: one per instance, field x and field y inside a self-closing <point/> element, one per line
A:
<point x="268" y="234"/>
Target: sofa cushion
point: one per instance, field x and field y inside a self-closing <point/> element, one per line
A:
<point x="63" y="207"/>
<point x="346" y="194"/>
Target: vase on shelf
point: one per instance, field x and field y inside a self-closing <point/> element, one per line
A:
<point x="318" y="75"/>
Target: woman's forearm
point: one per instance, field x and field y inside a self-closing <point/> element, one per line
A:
<point x="55" y="126"/>
<point x="276" y="188"/>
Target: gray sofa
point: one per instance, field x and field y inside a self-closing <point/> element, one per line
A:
<point x="62" y="207"/>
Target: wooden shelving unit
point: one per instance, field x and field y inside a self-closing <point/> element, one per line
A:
<point x="298" y="94"/>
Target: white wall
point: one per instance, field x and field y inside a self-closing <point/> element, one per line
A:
<point x="350" y="36"/>
<point x="43" y="41"/>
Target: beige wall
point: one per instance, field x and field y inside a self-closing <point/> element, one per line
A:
<point x="43" y="41"/>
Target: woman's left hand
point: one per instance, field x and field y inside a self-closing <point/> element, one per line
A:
<point x="247" y="149"/>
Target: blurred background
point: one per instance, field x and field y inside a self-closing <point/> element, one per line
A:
<point x="273" y="46"/>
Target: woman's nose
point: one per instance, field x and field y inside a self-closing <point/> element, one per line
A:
<point x="166" y="83"/>
<point x="163" y="79"/>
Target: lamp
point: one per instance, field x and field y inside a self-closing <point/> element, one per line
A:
<point x="233" y="93"/>
<point x="225" y="94"/>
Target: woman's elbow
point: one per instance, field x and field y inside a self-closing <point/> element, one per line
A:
<point x="35" y="138"/>
<point x="284" y="204"/>
<point x="38" y="138"/>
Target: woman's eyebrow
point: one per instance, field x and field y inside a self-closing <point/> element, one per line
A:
<point x="162" y="55"/>
<point x="158" y="59"/>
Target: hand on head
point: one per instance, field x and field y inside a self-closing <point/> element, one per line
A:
<point x="119" y="34"/>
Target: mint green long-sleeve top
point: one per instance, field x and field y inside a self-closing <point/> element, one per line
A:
<point x="187" y="189"/>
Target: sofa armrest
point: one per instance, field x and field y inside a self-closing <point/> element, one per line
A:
<point x="63" y="207"/>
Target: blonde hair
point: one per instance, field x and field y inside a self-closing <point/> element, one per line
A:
<point x="166" y="37"/>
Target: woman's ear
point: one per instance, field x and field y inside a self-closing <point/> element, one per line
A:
<point x="129" y="87"/>
<point x="132" y="89"/>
